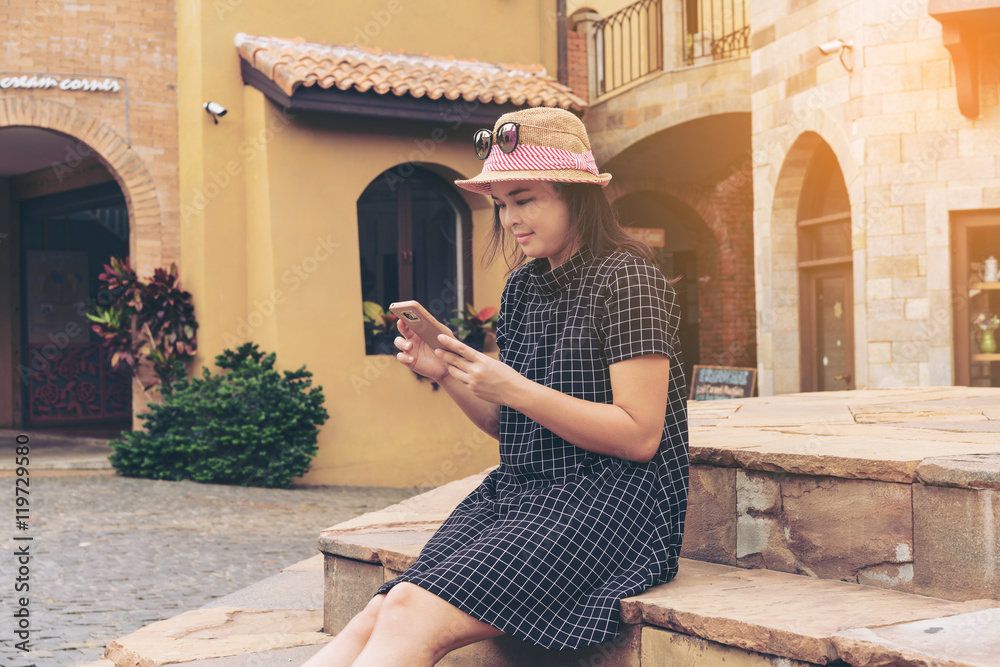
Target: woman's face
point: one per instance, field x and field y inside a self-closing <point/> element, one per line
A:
<point x="537" y="218"/>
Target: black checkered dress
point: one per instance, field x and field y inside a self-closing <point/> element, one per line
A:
<point x="546" y="547"/>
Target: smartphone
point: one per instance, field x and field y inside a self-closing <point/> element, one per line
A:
<point x="422" y="322"/>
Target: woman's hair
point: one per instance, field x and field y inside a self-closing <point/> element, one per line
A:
<point x="592" y="222"/>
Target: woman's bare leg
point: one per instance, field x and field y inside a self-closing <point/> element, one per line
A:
<point x="417" y="628"/>
<point x="349" y="642"/>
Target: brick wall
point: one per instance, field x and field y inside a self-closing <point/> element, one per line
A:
<point x="576" y="46"/>
<point x="133" y="131"/>
<point x="721" y="223"/>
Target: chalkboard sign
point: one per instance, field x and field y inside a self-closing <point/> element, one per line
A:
<point x="713" y="383"/>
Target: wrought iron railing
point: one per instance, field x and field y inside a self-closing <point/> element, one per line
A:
<point x="715" y="30"/>
<point x="628" y="45"/>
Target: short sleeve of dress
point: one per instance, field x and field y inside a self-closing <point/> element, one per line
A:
<point x="641" y="313"/>
<point x="507" y="299"/>
<point x="500" y="329"/>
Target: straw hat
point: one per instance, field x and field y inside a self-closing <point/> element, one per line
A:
<point x="542" y="154"/>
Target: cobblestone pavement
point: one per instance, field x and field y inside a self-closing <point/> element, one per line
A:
<point x="112" y="554"/>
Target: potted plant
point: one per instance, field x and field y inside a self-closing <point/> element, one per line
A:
<point x="471" y="326"/>
<point x="380" y="329"/>
<point x="987" y="324"/>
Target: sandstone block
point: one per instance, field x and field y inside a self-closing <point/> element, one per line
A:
<point x="936" y="74"/>
<point x="882" y="149"/>
<point x="893" y="267"/>
<point x="885" y="310"/>
<point x="917" y="309"/>
<point x="710" y="525"/>
<point x="880" y="353"/>
<point x="827" y="527"/>
<point x="663" y="647"/>
<point x="203" y="634"/>
<point x="890" y="123"/>
<point x="953" y="641"/>
<point x="969" y="471"/>
<point x="966" y="169"/>
<point x="348" y="586"/>
<point x="884" y="376"/>
<point x="880" y="288"/>
<point x="965" y="198"/>
<point x="908" y="351"/>
<point x="913" y="100"/>
<point x="506" y="651"/>
<point x="888" y="575"/>
<point x="773" y="612"/>
<point x="956" y="541"/>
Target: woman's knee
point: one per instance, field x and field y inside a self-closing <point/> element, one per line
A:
<point x="410" y="609"/>
<point x="403" y="598"/>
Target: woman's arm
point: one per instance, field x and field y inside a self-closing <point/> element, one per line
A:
<point x="418" y="357"/>
<point x="630" y="427"/>
<point x="483" y="414"/>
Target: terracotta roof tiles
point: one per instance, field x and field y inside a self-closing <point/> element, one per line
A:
<point x="293" y="63"/>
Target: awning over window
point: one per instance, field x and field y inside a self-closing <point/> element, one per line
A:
<point x="351" y="79"/>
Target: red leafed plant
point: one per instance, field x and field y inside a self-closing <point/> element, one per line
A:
<point x="154" y="319"/>
<point x="471" y="322"/>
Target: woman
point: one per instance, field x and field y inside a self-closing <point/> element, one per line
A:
<point x="588" y="403"/>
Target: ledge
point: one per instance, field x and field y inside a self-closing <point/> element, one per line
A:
<point x="876" y="434"/>
<point x="783" y="614"/>
<point x="963" y="23"/>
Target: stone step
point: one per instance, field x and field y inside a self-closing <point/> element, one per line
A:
<point x="711" y="611"/>
<point x="277" y="621"/>
<point x="893" y="488"/>
<point x="716" y="612"/>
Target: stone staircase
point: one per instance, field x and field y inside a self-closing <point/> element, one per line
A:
<point x="858" y="528"/>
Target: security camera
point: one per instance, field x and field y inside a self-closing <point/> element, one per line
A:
<point x="833" y="46"/>
<point x="216" y="110"/>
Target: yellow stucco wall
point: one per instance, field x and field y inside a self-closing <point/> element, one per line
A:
<point x="269" y="222"/>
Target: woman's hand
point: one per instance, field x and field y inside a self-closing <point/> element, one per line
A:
<point x="416" y="355"/>
<point x="486" y="378"/>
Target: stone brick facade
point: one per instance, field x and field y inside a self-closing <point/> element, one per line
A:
<point x="132" y="131"/>
<point x="910" y="161"/>
<point x="888" y="109"/>
<point x="104" y="75"/>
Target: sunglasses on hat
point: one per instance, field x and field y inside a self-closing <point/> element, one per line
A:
<point x="506" y="138"/>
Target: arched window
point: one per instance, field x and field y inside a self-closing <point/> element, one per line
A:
<point x="414" y="237"/>
<point x="826" y="267"/>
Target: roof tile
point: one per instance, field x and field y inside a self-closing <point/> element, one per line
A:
<point x="291" y="63"/>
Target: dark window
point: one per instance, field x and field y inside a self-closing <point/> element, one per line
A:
<point x="414" y="237"/>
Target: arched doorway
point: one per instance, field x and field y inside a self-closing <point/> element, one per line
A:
<point x="65" y="216"/>
<point x="826" y="280"/>
<point x="669" y="235"/>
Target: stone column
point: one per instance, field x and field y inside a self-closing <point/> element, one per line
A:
<point x="956" y="527"/>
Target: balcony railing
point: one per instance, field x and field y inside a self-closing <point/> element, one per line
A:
<point x="628" y="45"/>
<point x="715" y="30"/>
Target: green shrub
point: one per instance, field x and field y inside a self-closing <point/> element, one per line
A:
<point x="248" y="425"/>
